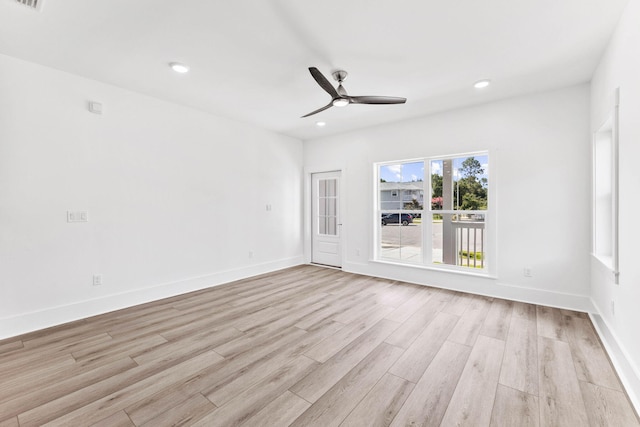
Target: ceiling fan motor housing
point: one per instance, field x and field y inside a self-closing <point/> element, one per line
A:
<point x="339" y="75"/>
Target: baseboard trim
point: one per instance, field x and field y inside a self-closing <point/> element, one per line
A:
<point x="627" y="371"/>
<point x="474" y="284"/>
<point x="33" y="321"/>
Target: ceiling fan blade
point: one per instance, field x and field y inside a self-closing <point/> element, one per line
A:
<point x="323" y="82"/>
<point x="376" y="100"/>
<point x="329" y="105"/>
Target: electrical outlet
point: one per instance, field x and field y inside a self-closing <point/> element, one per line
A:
<point x="528" y="272"/>
<point x="357" y="252"/>
<point x="613" y="307"/>
<point x="250" y="254"/>
<point x="97" y="279"/>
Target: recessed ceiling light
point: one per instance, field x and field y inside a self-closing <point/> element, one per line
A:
<point x="178" y="67"/>
<point x="482" y="83"/>
<point x="321" y="124"/>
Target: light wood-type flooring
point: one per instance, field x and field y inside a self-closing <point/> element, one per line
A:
<point x="311" y="346"/>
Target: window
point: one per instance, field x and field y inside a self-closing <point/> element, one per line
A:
<point x="605" y="180"/>
<point x="401" y="201"/>
<point x="327" y="207"/>
<point x="603" y="193"/>
<point x="450" y="230"/>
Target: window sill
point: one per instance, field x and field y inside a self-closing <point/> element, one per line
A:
<point x="483" y="275"/>
<point x="605" y="261"/>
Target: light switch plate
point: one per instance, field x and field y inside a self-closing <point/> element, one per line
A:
<point x="77" y="216"/>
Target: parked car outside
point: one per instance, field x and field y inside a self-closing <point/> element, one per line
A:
<point x="395" y="218"/>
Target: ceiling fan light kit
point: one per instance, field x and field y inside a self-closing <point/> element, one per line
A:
<point x="340" y="102"/>
<point x="339" y="95"/>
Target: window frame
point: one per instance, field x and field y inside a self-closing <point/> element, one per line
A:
<point x="611" y="126"/>
<point x="427" y="212"/>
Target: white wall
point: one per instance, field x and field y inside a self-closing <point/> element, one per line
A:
<point x="176" y="198"/>
<point x="540" y="181"/>
<point x="620" y="67"/>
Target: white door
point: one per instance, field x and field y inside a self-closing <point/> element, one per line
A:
<point x="325" y="221"/>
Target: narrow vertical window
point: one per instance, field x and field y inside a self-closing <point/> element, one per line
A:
<point x="327" y="207"/>
<point x="605" y="188"/>
<point x="603" y="194"/>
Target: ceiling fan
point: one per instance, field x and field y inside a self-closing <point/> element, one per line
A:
<point x="340" y="98"/>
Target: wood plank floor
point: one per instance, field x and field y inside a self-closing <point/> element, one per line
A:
<point x="311" y="346"/>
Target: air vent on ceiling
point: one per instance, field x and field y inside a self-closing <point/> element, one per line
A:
<point x="32" y="4"/>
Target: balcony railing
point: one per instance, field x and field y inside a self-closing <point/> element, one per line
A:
<point x="469" y="243"/>
<point x="454" y="239"/>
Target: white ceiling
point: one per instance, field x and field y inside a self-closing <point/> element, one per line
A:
<point x="249" y="59"/>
